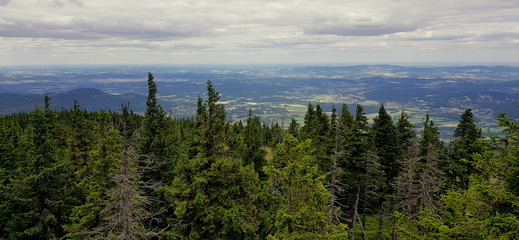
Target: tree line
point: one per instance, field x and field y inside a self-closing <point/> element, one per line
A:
<point x="75" y="174"/>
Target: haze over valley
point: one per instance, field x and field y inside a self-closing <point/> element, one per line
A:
<point x="276" y="93"/>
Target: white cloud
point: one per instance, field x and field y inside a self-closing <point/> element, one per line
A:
<point x="285" y="30"/>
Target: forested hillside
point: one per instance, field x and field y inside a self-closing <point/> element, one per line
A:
<point x="77" y="174"/>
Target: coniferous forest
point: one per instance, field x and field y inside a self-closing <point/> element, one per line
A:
<point x="75" y="174"/>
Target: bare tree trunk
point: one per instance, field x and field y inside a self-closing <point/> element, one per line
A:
<point x="126" y="212"/>
<point x="334" y="186"/>
<point x="356" y="217"/>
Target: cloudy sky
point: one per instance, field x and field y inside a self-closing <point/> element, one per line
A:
<point x="258" y="31"/>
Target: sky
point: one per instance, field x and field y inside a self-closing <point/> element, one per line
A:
<point x="412" y="32"/>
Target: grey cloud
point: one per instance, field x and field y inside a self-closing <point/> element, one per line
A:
<point x="93" y="29"/>
<point x="268" y="26"/>
<point x="359" y="30"/>
<point x="443" y="36"/>
<point x="63" y="3"/>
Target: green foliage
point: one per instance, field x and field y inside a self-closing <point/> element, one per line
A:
<point x="40" y="195"/>
<point x="94" y="179"/>
<point x="464" y="147"/>
<point x="154" y="139"/>
<point x="253" y="136"/>
<point x="74" y="174"/>
<point x="405" y="132"/>
<point x="215" y="195"/>
<point x="387" y="145"/>
<point x="301" y="196"/>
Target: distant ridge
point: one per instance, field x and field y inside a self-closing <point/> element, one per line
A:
<point x="87" y="98"/>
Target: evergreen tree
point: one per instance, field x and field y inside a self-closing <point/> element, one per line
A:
<point x="253" y="141"/>
<point x="363" y="172"/>
<point x="41" y="195"/>
<point x="386" y="143"/>
<point x="215" y="195"/>
<point x="464" y="147"/>
<point x="405" y="132"/>
<point x="297" y="182"/>
<point x="96" y="178"/>
<point x="293" y="128"/>
<point x="10" y="133"/>
<point x="317" y="128"/>
<point x="210" y="120"/>
<point x="235" y="139"/>
<point x="153" y="140"/>
<point x="79" y="138"/>
<point x="484" y="210"/>
<point x="273" y="135"/>
<point x="322" y="122"/>
<point x="309" y="130"/>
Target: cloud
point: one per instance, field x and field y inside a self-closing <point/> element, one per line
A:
<point x="248" y="27"/>
<point x="358" y="30"/>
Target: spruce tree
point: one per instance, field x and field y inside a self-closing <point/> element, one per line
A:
<point x="10" y="133"/>
<point x="405" y="132"/>
<point x="363" y="172"/>
<point x="153" y="137"/>
<point x="386" y="143"/>
<point x="253" y="141"/>
<point x="96" y="178"/>
<point x="42" y="193"/>
<point x="214" y="194"/>
<point x="297" y="184"/>
<point x="464" y="147"/>
<point x="309" y="130"/>
<point x="293" y="128"/>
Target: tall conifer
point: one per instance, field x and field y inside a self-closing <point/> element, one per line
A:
<point x="386" y="143"/>
<point x="466" y="144"/>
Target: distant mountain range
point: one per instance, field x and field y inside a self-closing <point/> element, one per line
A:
<point x="87" y="98"/>
<point x="275" y="93"/>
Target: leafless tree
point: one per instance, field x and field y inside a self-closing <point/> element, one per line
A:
<point x="406" y="185"/>
<point x="125" y="214"/>
<point x="335" y="186"/>
<point x="431" y="180"/>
